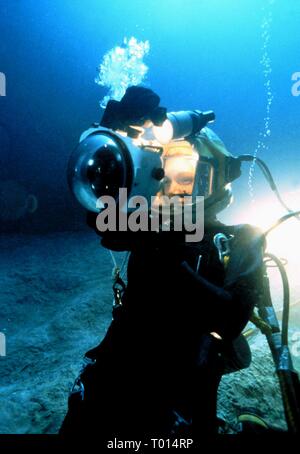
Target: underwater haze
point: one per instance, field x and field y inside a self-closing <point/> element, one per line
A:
<point x="239" y="58"/>
<point x="203" y="55"/>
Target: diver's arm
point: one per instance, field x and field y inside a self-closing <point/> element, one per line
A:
<point x="213" y="290"/>
<point x="140" y="240"/>
<point x="231" y="307"/>
<point x="233" y="303"/>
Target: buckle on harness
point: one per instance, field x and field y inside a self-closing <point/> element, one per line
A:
<point x="221" y="242"/>
<point x="78" y="388"/>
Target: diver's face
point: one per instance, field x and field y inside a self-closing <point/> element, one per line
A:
<point x="184" y="176"/>
<point x="180" y="175"/>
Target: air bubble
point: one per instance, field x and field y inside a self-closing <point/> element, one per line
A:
<point x="266" y="64"/>
<point x="121" y="67"/>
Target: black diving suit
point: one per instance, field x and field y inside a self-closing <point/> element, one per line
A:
<point x="159" y="366"/>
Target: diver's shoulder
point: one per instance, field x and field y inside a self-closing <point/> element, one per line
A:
<point x="244" y="232"/>
<point x="248" y="235"/>
<point x="243" y="229"/>
<point x="248" y="229"/>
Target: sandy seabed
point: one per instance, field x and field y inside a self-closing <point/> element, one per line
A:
<point x="56" y="304"/>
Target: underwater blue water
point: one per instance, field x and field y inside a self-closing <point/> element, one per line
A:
<point x="236" y="57"/>
<point x="204" y="54"/>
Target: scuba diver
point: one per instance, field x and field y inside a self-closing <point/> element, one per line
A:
<point x="178" y="320"/>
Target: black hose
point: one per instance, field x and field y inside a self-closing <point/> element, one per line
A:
<point x="289" y="379"/>
<point x="283" y="219"/>
<point x="268" y="176"/>
<point x="286" y="298"/>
